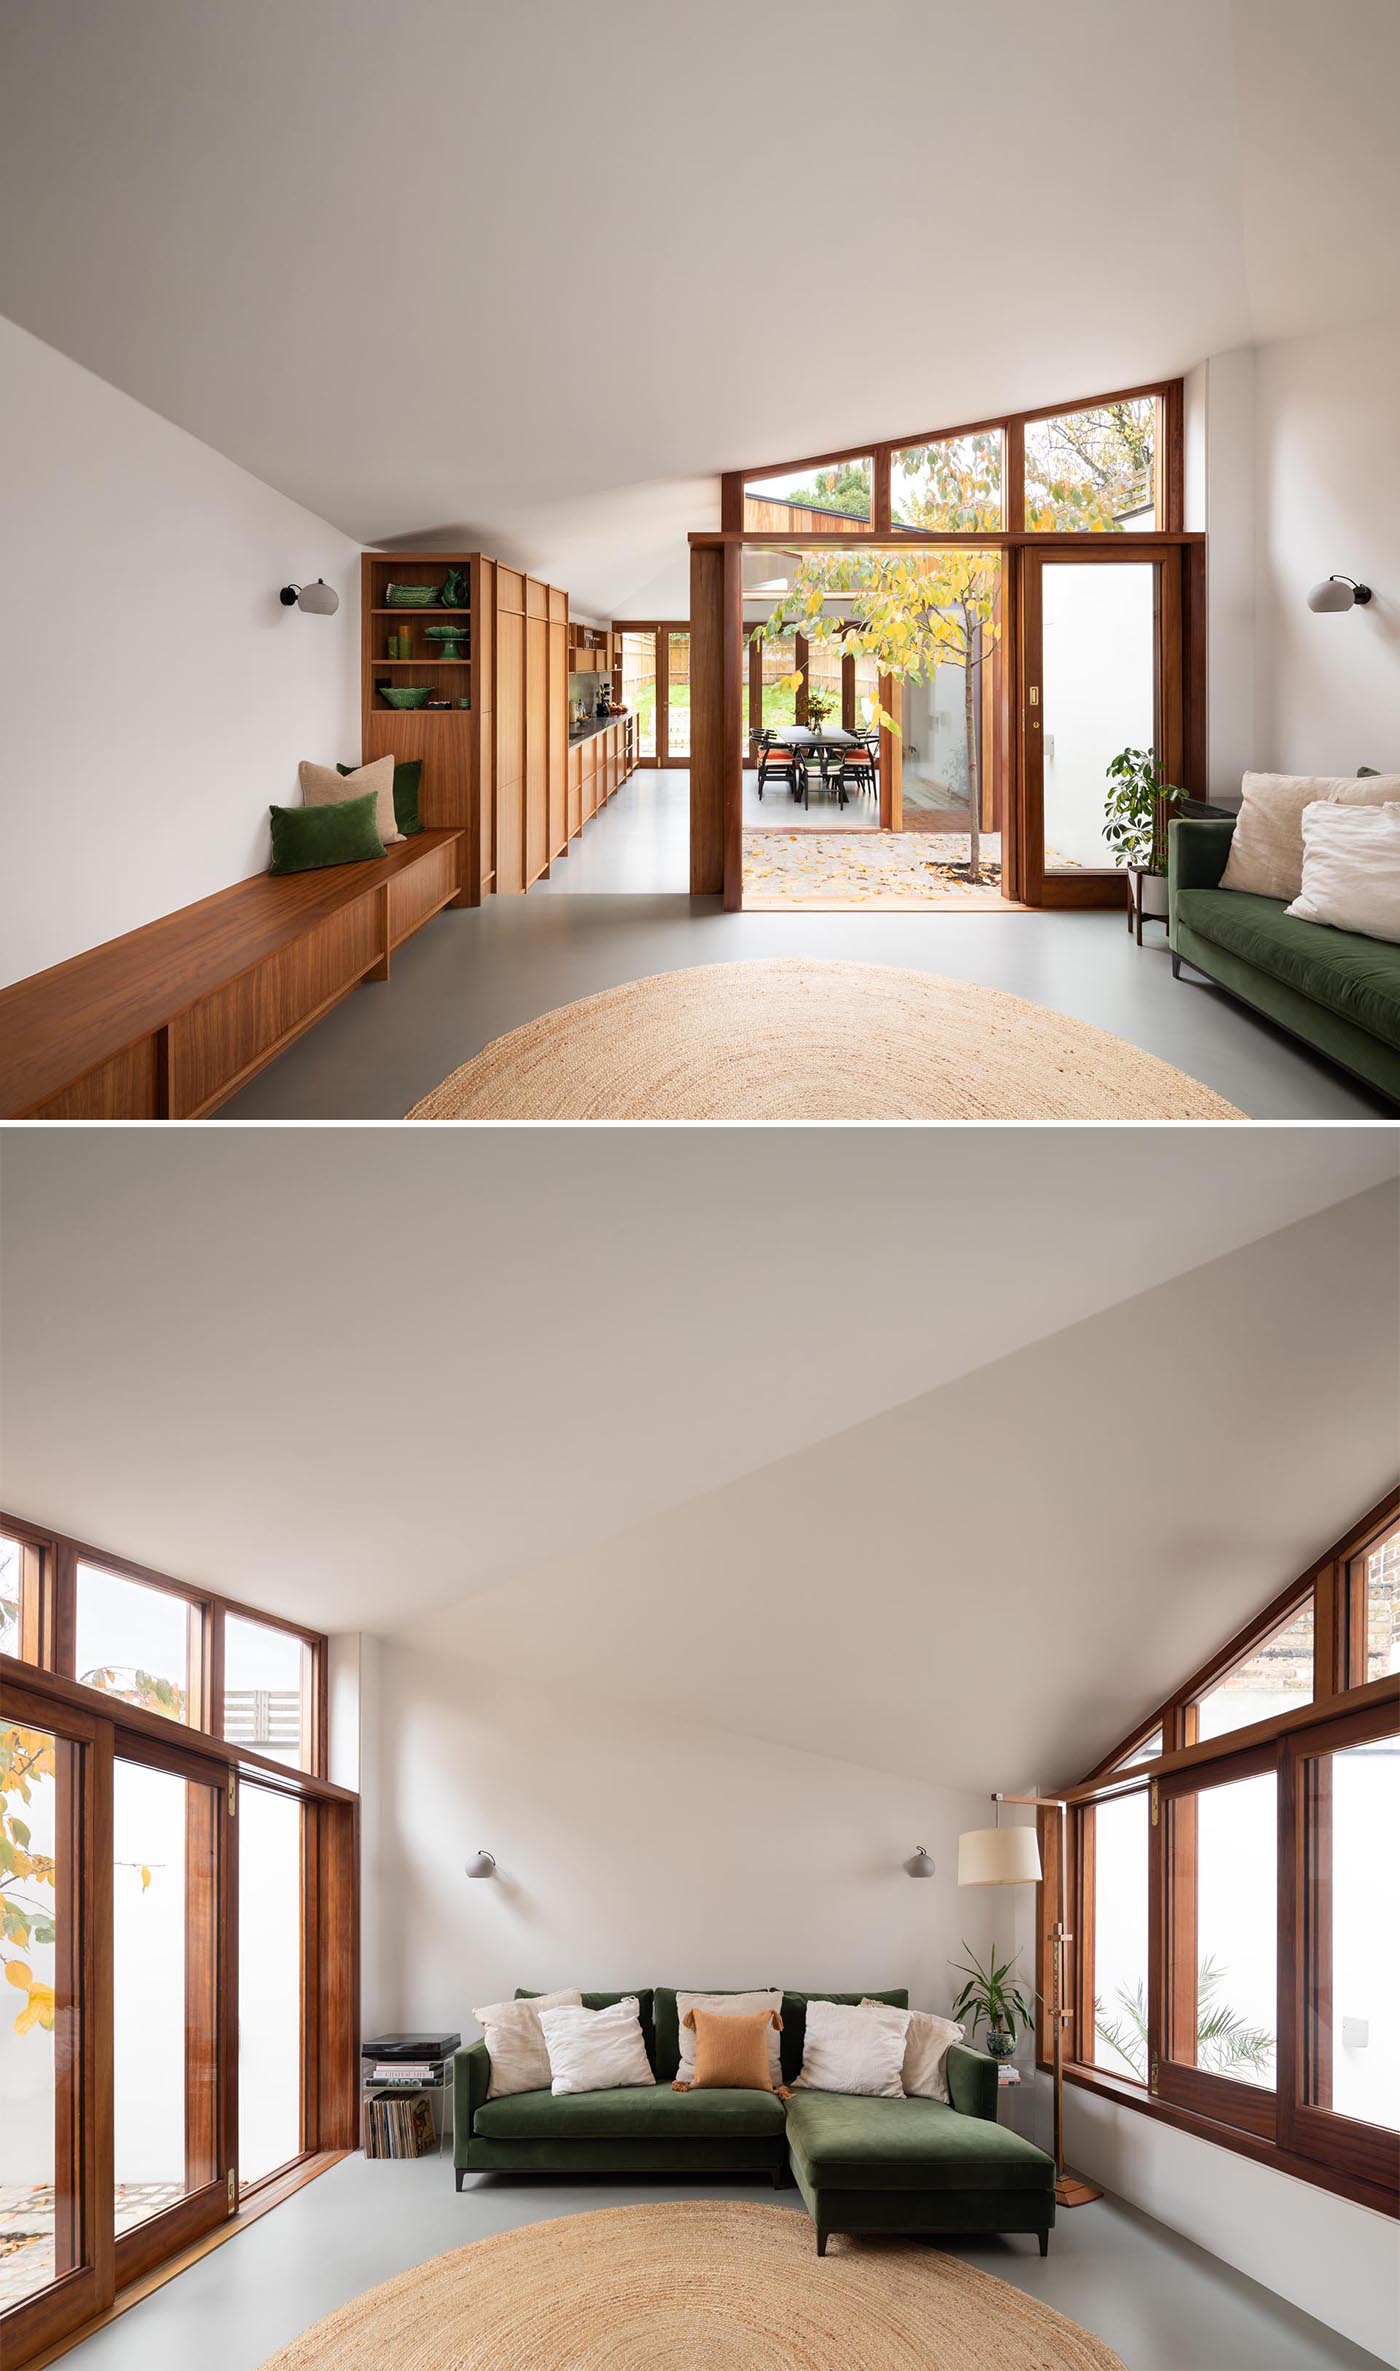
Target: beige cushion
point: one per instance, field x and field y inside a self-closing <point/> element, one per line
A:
<point x="1266" y="850"/>
<point x="859" y="2051"/>
<point x="727" y="2004"/>
<point x="515" y="2042"/>
<point x="596" y="2049"/>
<point x="1351" y="869"/>
<point x="321" y="784"/>
<point x="924" y="2073"/>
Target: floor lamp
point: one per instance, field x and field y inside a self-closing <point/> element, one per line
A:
<point x="1011" y="1856"/>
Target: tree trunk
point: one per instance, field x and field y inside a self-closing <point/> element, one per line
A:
<point x="974" y="771"/>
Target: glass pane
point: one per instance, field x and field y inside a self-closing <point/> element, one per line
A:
<point x="867" y="689"/>
<point x="1098" y="653"/>
<point x="948" y="715"/>
<point x="1236" y="1932"/>
<point x="164" y="1929"/>
<point x="1354" y="2051"/>
<point x="1146" y="1752"/>
<point x="269" y="1983"/>
<point x="779" y="701"/>
<point x="836" y="497"/>
<point x="1276" y="1674"/>
<point x="1094" y="469"/>
<point x="267" y="1690"/>
<point x="1120" y="1936"/>
<point x="953" y="484"/>
<point x="824" y="685"/>
<point x="39" y="2025"/>
<point x="133" y="1642"/>
<point x="1383" y="1608"/>
<point x="11" y="1565"/>
<point x="678" y="697"/>
<point x="639" y="687"/>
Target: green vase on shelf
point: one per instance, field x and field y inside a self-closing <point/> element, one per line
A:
<point x="454" y="589"/>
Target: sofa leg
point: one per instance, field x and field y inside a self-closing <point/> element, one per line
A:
<point x="822" y="2237"/>
<point x="1045" y="2243"/>
<point x="1176" y="965"/>
<point x="778" y="2177"/>
<point x="461" y="2173"/>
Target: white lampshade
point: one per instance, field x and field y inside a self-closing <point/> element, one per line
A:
<point x="320" y="599"/>
<point x="1332" y="593"/>
<point x="998" y="1856"/>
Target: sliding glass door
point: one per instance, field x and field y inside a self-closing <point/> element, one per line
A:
<point x="271" y="2013"/>
<point x="172" y="2142"/>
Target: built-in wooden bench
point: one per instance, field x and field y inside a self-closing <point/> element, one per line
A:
<point x="169" y="1021"/>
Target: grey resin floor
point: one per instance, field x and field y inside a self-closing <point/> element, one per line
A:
<point x="1159" y="2302"/>
<point x="615" y="909"/>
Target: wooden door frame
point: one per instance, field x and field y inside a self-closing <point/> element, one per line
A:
<point x="717" y="641"/>
<point x="1104" y="885"/>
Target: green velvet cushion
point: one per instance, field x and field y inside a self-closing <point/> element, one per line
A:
<point x="644" y="2112"/>
<point x="795" y="2019"/>
<point x="668" y="2028"/>
<point x="1357" y="977"/>
<point x="344" y="832"/>
<point x="408" y="774"/>
<point x="640" y="1993"/>
<point x="908" y="2144"/>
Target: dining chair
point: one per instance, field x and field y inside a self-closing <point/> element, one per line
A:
<point x="777" y="764"/>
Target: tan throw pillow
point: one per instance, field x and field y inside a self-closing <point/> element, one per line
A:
<point x="924" y="2072"/>
<point x="320" y="785"/>
<point x="515" y="2042"/>
<point x="731" y="2053"/>
<point x="727" y="2004"/>
<point x="1266" y="849"/>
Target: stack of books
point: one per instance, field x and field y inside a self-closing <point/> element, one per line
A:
<point x="392" y="2127"/>
<point x="405" y="2073"/>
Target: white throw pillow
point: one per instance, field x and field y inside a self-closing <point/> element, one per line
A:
<point x="925" y="2069"/>
<point x="515" y="2043"/>
<point x="1351" y="870"/>
<point x="596" y="2049"/>
<point x="1266" y="847"/>
<point x="321" y="786"/>
<point x="728" y="2004"/>
<point x="860" y="2051"/>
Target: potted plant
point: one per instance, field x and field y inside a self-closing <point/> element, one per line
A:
<point x="1136" y="815"/>
<point x="993" y="2001"/>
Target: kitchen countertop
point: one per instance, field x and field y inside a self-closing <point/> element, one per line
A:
<point x="585" y="732"/>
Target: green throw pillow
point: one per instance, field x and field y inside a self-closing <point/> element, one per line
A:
<point x="344" y="832"/>
<point x="408" y="773"/>
<point x="1359" y="772"/>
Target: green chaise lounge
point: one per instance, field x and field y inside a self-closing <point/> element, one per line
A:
<point x="1336" y="990"/>
<point x="862" y="2165"/>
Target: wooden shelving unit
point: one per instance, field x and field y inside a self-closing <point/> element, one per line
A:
<point x="455" y="786"/>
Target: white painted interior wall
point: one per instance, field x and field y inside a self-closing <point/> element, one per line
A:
<point x="1290" y="468"/>
<point x="159" y="697"/>
<point x="636" y="1847"/>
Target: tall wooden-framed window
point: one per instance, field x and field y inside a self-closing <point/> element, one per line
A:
<point x="163" y="1645"/>
<point x="651" y="673"/>
<point x="129" y="2094"/>
<point x="1261" y="1805"/>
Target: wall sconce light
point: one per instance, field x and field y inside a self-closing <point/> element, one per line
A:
<point x="484" y="1865"/>
<point x="319" y="598"/>
<point x="1339" y="592"/>
<point x="919" y="1863"/>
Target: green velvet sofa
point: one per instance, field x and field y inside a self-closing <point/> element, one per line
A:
<point x="862" y="2165"/>
<point x="1336" y="990"/>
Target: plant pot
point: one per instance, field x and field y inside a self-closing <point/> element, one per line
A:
<point x="1000" y="2044"/>
<point x="1149" y="893"/>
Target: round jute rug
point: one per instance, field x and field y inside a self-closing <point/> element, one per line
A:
<point x="793" y="1040"/>
<point x="701" y="2285"/>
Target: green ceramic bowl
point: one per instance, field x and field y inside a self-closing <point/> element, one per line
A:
<point x="457" y="633"/>
<point x="405" y="695"/>
<point x="411" y="596"/>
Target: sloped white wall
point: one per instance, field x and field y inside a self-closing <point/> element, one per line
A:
<point x="158" y="697"/>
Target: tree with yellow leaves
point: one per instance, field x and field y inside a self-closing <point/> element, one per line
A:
<point x="26" y="1921"/>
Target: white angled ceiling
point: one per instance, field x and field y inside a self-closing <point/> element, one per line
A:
<point x="962" y="1433"/>
<point x="444" y="268"/>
